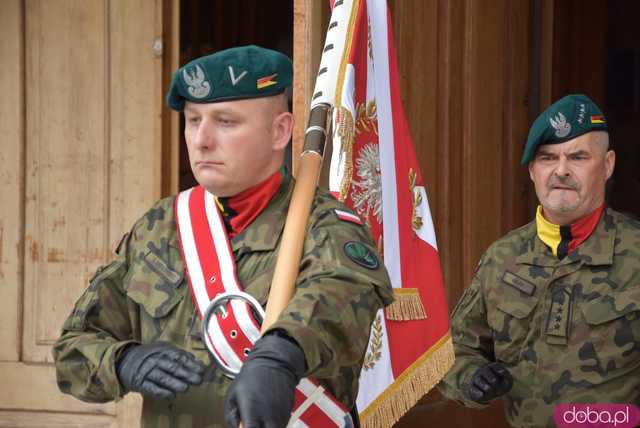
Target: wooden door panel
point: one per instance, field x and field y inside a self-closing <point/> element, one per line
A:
<point x="11" y="177"/>
<point x="81" y="163"/>
<point x="67" y="162"/>
<point x="136" y="101"/>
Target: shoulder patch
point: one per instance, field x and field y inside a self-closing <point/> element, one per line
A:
<point x="361" y="255"/>
<point x="347" y="216"/>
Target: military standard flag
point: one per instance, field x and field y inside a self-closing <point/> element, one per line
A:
<point x="374" y="171"/>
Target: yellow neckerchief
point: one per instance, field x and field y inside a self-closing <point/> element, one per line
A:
<point x="548" y="232"/>
<point x="566" y="238"/>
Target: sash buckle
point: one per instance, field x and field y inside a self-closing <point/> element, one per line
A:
<point x="217" y="307"/>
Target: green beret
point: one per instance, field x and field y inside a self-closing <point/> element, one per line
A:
<point x="564" y="120"/>
<point x="231" y="74"/>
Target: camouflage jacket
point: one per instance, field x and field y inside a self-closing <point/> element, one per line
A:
<point x="143" y="297"/>
<point x="568" y="330"/>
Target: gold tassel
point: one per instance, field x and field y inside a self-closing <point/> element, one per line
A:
<point x="407" y="305"/>
<point x="410" y="386"/>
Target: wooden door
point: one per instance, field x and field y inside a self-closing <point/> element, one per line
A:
<point x="79" y="162"/>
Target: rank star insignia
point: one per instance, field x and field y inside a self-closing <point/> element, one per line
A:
<point x="560" y="124"/>
<point x="581" y="113"/>
<point x="361" y="255"/>
<point x="198" y="87"/>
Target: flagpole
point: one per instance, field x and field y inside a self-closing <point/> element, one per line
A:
<point x="290" y="253"/>
<point x="318" y="130"/>
<point x="316" y="135"/>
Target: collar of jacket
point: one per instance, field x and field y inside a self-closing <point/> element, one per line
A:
<point x="263" y="234"/>
<point x="597" y="250"/>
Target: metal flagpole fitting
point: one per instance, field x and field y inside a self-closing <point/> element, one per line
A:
<point x="218" y="308"/>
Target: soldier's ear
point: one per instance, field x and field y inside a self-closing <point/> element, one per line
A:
<point x="282" y="128"/>
<point x="530" y="167"/>
<point x="610" y="162"/>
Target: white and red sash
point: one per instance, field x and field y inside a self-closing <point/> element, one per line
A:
<point x="211" y="270"/>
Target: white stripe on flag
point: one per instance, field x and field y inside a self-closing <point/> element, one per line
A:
<point x="375" y="380"/>
<point x="426" y="231"/>
<point x="378" y="32"/>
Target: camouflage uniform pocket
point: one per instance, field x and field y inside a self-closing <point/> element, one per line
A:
<point x="154" y="286"/>
<point x="511" y="323"/>
<point x="611" y="344"/>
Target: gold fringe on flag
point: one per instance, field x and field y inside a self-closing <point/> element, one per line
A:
<point x="407" y="305"/>
<point x="410" y="386"/>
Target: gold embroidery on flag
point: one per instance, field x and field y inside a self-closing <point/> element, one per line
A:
<point x="347" y="133"/>
<point x="417" y="380"/>
<point x="407" y="305"/>
<point x="374" y="352"/>
<point x="366" y="118"/>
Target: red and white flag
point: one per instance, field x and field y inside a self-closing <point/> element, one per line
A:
<point x="374" y="171"/>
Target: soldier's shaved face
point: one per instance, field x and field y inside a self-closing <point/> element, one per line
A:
<point x="570" y="177"/>
<point x="232" y="145"/>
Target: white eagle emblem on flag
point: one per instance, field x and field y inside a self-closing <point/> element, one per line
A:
<point x="560" y="124"/>
<point x="367" y="193"/>
<point x="198" y="87"/>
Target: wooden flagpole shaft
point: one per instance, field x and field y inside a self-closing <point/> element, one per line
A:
<point x="288" y="262"/>
<point x="283" y="283"/>
<point x="291" y="246"/>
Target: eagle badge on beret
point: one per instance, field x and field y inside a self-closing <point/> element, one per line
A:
<point x="195" y="80"/>
<point x="560" y="124"/>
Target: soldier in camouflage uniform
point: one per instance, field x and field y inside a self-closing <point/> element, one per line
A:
<point x="136" y="327"/>
<point x="553" y="312"/>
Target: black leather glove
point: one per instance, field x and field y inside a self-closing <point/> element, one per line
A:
<point x="488" y="382"/>
<point x="159" y="370"/>
<point x="262" y="394"/>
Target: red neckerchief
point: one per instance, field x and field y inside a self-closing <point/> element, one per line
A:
<point x="582" y="229"/>
<point x="240" y="210"/>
